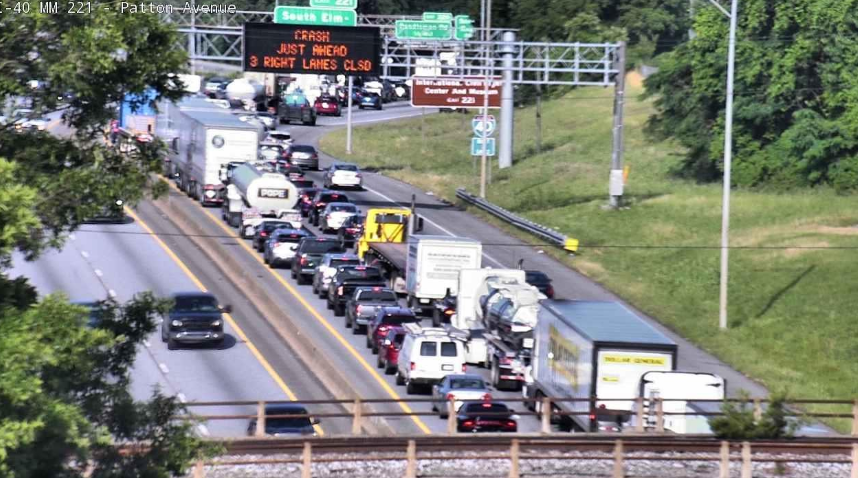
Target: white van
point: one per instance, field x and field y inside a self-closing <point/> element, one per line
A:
<point x="427" y="356"/>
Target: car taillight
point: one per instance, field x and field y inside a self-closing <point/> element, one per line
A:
<point x="357" y="175"/>
<point x="468" y="424"/>
<point x="340" y="290"/>
<point x="449" y="311"/>
<point x="351" y="230"/>
<point x="550" y="291"/>
<point x="321" y="204"/>
<point x="505" y="361"/>
<point x="413" y="366"/>
<point x="449" y="397"/>
<point x="487" y="397"/>
<point x="359" y="308"/>
<point x="304" y="261"/>
<point x="509" y="424"/>
<point x="263" y="233"/>
<point x="328" y="217"/>
<point x="464" y="367"/>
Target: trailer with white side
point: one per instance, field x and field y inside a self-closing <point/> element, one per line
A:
<point x="685" y="395"/>
<point x="254" y="195"/>
<point x="202" y="138"/>
<point x="594" y="351"/>
<point x="433" y="264"/>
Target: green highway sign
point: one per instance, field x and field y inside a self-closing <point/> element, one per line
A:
<point x="352" y="4"/>
<point x="437" y="17"/>
<point x="315" y="16"/>
<point x="422" y="30"/>
<point x="464" y="28"/>
<point x="477" y="146"/>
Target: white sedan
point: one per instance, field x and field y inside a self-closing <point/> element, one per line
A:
<point x="335" y="214"/>
<point x="343" y="175"/>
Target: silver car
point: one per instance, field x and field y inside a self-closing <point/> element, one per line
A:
<point x="460" y="389"/>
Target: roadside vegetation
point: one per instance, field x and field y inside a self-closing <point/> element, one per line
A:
<point x="792" y="281"/>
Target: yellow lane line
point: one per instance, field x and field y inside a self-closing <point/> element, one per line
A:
<point x="253" y="350"/>
<point x="327" y="325"/>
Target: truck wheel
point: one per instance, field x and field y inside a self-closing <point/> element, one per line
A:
<point x="348" y="322"/>
<point x="234" y="220"/>
<point x="329" y="305"/>
<point x="315" y="289"/>
<point x="410" y="388"/>
<point x="388" y="370"/>
<point x="368" y="343"/>
<point x="171" y="344"/>
<point x="399" y="379"/>
<point x="356" y="329"/>
<point x="436" y="317"/>
<point x="339" y="310"/>
<point x="378" y="362"/>
<point x="495" y="374"/>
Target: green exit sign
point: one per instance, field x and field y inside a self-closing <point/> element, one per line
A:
<point x="464" y="28"/>
<point x="334" y="3"/>
<point x="315" y="16"/>
<point x="422" y="30"/>
<point x="437" y="17"/>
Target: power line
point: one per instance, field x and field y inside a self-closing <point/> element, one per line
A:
<point x="508" y="244"/>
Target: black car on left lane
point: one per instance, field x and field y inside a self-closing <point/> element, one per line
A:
<point x="195" y="317"/>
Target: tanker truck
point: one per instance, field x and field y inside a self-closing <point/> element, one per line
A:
<point x="254" y="195"/>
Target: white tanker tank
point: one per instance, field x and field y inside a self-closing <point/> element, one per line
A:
<point x="245" y="92"/>
<point x="254" y="195"/>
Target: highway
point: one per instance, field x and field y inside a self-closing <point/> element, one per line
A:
<point x="128" y="259"/>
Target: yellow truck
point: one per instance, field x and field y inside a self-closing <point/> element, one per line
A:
<point x="383" y="243"/>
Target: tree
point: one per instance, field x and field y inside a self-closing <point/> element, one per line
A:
<point x="796" y="101"/>
<point x="739" y="422"/>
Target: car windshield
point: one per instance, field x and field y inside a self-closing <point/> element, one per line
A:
<point x="333" y="197"/>
<point x="289" y="238"/>
<point x="354" y="221"/>
<point x="536" y="277"/>
<point x="391" y="219"/>
<point x="344" y="262"/>
<point x="195" y="304"/>
<point x="269" y="154"/>
<point x="296" y="422"/>
<point x="345" y="167"/>
<point x="462" y="383"/>
<point x="343" y="208"/>
<point x="270" y="226"/>
<point x="362" y="273"/>
<point x="485" y="407"/>
<point x="303" y="148"/>
<point x="320" y="247"/>
<point x="399" y="319"/>
<point x="280" y="136"/>
<point x="377" y="296"/>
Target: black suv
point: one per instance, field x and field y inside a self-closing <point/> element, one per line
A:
<point x="264" y="230"/>
<point x="323" y="198"/>
<point x="346" y="280"/>
<point x="195" y="317"/>
<point x="310" y="251"/>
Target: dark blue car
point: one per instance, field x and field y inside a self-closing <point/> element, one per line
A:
<point x="285" y="426"/>
<point x="196" y="317"/>
<point x="370" y="100"/>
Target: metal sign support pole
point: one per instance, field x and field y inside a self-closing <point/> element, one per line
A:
<point x="615" y="182"/>
<point x="349" y="118"/>
<point x="484" y="162"/>
<point x="728" y="159"/>
<point x="507" y="103"/>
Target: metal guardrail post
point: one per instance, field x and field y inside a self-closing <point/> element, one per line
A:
<point x="411" y="456"/>
<point x="746" y="460"/>
<point x="854" y="473"/>
<point x="639" y="414"/>
<point x="659" y="415"/>
<point x="514" y="454"/>
<point x="724" y="469"/>
<point x="307" y="461"/>
<point x="357" y="417"/>
<point x="758" y="409"/>
<point x="260" y="419"/>
<point x="619" y="471"/>
<point x="451" y="418"/>
<point x="855" y="418"/>
<point x="546" y="415"/>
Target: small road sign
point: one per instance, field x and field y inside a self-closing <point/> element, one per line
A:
<point x="477" y="146"/>
<point x="481" y="125"/>
<point x="421" y="30"/>
<point x="334" y="3"/>
<point x="463" y="28"/>
<point x="315" y="16"/>
<point x="437" y="17"/>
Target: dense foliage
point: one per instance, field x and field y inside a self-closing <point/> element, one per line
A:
<point x="64" y="398"/>
<point x="740" y="423"/>
<point x="796" y="100"/>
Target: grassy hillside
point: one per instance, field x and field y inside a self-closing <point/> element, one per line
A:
<point x="793" y="308"/>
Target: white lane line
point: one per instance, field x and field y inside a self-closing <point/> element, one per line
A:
<point x="203" y="430"/>
<point x="71" y="236"/>
<point x="181" y="397"/>
<point x="111" y="293"/>
<point x="163" y="367"/>
<point x="98" y="272"/>
<point x="84" y="254"/>
<point x="498" y="263"/>
<point x="146" y="343"/>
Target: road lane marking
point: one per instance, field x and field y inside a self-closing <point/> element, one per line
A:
<point x="327" y="325"/>
<point x="253" y="350"/>
<point x="203" y="430"/>
<point x="84" y="254"/>
<point x="111" y="293"/>
<point x="163" y="367"/>
<point x="98" y="272"/>
<point x="146" y="343"/>
<point x="181" y="397"/>
<point x="430" y="222"/>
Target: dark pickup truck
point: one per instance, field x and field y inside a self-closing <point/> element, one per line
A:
<point x="346" y="280"/>
<point x="308" y="255"/>
<point x="365" y="303"/>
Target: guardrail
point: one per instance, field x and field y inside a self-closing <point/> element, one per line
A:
<point x="649" y="414"/>
<point x="614" y="454"/>
<point x="568" y="243"/>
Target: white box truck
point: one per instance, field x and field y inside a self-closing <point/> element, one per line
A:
<point x="202" y="138"/>
<point x="433" y="264"/>
<point x="594" y="351"/>
<point x="683" y="393"/>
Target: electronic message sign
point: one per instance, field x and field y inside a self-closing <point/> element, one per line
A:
<point x="322" y="50"/>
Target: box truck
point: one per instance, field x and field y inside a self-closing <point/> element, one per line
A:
<point x="594" y="351"/>
<point x="433" y="264"/>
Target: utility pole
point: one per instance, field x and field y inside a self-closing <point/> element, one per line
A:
<point x="486" y="46"/>
<point x="728" y="159"/>
<point x="507" y="102"/>
<point x="615" y="182"/>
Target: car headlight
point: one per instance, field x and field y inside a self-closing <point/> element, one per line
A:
<point x="216" y="323"/>
<point x="210" y="194"/>
<point x="176" y="323"/>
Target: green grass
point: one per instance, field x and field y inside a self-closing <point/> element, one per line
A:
<point x="793" y="312"/>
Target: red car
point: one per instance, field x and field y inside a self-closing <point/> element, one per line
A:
<point x="327" y="105"/>
<point x="388" y="352"/>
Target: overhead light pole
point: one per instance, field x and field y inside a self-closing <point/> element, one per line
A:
<point x="728" y="159"/>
